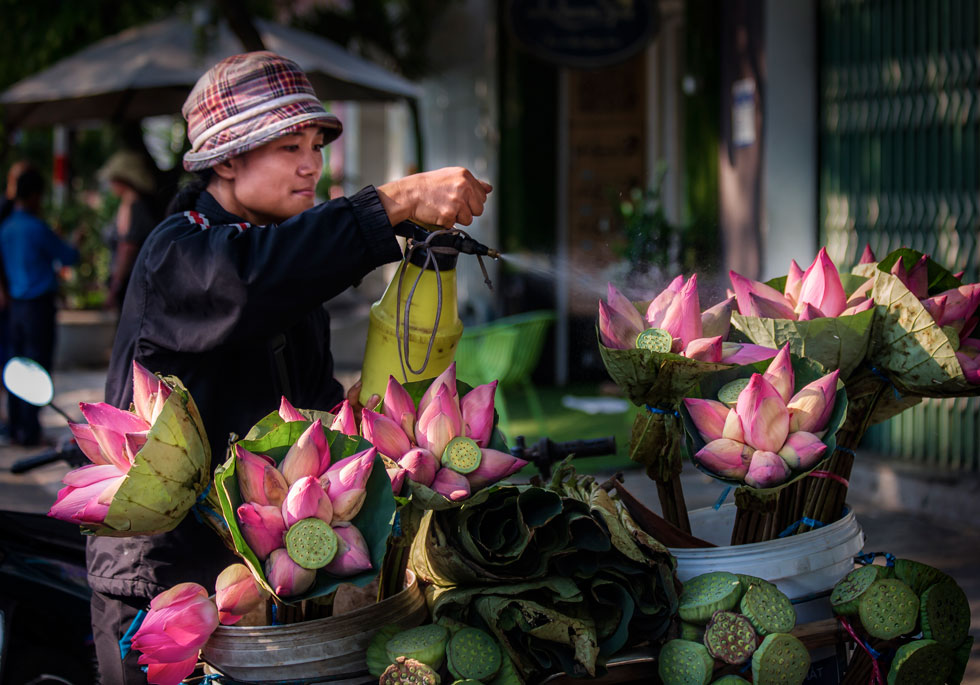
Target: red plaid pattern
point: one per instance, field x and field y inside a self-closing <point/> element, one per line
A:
<point x="245" y="101"/>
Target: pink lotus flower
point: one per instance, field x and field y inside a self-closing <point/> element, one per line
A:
<point x="811" y="407"/>
<point x="285" y="576"/>
<point x="87" y="494"/>
<point x="262" y="527"/>
<point x="177" y="625"/>
<point x="682" y="319"/>
<point x="494" y="466"/>
<point x="780" y="374"/>
<point x="421" y="465"/>
<point x="745" y="353"/>
<point x="451" y="485"/>
<point x="704" y="349"/>
<point x="308" y="456"/>
<point x="439" y="422"/>
<point x="476" y="408"/>
<point x="399" y="407"/>
<point x="765" y="419"/>
<point x="348" y="482"/>
<point x="109" y="427"/>
<point x="758" y="299"/>
<point x="306" y="499"/>
<point x="446" y="379"/>
<point x="716" y="321"/>
<point x="624" y="311"/>
<point x="397" y="475"/>
<point x="236" y="593"/>
<point x="345" y="422"/>
<point x="149" y="394"/>
<point x="728" y="458"/>
<point x="766" y="470"/>
<point x="287" y="412"/>
<point x="259" y="480"/>
<point x="615" y="331"/>
<point x="733" y="427"/>
<point x="867" y="257"/>
<point x="821" y="286"/>
<point x="353" y="555"/>
<point x="385" y="434"/>
<point x="709" y="417"/>
<point x="802" y="450"/>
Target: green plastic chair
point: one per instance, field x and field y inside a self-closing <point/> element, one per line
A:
<point x="506" y="350"/>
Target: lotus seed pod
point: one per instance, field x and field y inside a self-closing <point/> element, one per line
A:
<point x="729" y="392"/>
<point x="768" y="609"/>
<point x="961" y="657"/>
<point x="731" y="680"/>
<point x="921" y="662"/>
<point x="847" y="593"/>
<point x="655" y="340"/>
<point x="888" y="609"/>
<point x="945" y="614"/>
<point x="730" y="637"/>
<point x="918" y="576"/>
<point x="685" y="663"/>
<point x="409" y="672"/>
<point x="781" y="659"/>
<point x="691" y="632"/>
<point x="705" y="594"/>
<point x="468" y="681"/>
<point x="425" y="643"/>
<point x="507" y="675"/>
<point x="462" y="455"/>
<point x="377" y="657"/>
<point x="311" y="543"/>
<point x="472" y="654"/>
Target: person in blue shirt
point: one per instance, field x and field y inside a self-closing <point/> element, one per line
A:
<point x="30" y="252"/>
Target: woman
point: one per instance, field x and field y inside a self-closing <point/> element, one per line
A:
<point x="227" y="294"/>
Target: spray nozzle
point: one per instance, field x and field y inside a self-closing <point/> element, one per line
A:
<point x="466" y="245"/>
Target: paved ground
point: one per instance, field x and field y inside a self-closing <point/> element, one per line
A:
<point x="930" y="518"/>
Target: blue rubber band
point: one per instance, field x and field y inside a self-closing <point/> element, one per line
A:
<point x="886" y="379"/>
<point x="397" y="524"/>
<point x="806" y="521"/>
<point x="846" y="450"/>
<point x="875" y="654"/>
<point x="275" y="614"/>
<point x="199" y="502"/>
<point x="866" y="558"/>
<point x="126" y="642"/>
<point x="654" y="410"/>
<point x="722" y="497"/>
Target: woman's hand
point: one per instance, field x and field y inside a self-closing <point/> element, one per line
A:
<point x="354" y="399"/>
<point x="443" y="197"/>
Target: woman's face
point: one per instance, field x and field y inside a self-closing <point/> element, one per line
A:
<point x="278" y="180"/>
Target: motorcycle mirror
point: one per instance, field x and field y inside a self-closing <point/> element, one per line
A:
<point x="29" y="381"/>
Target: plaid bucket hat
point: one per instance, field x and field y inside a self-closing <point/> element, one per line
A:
<point x="245" y="101"/>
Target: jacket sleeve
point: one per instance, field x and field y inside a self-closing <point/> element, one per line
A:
<point x="214" y="286"/>
<point x="57" y="249"/>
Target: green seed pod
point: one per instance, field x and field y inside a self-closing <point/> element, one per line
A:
<point x="768" y="609"/>
<point x="918" y="576"/>
<point x="729" y="392"/>
<point x="731" y="680"/>
<point x="888" y="609"/>
<point x="655" y="340"/>
<point x="685" y="663"/>
<point x="472" y="654"/>
<point x="311" y="543"/>
<point x="425" y="643"/>
<point x="747" y="581"/>
<point x="409" y="672"/>
<point x="730" y="637"/>
<point x="705" y="594"/>
<point x="462" y="455"/>
<point x="961" y="656"/>
<point x="781" y="659"/>
<point x="847" y="593"/>
<point x="922" y="662"/>
<point x="692" y="632"/>
<point x="945" y="614"/>
<point x="377" y="657"/>
<point x="507" y="675"/>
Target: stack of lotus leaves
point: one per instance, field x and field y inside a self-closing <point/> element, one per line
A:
<point x="730" y="624"/>
<point x="910" y="614"/>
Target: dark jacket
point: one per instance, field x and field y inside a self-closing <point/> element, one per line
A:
<point x="235" y="311"/>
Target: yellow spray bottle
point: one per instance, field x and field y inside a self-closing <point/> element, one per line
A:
<point x="414" y="328"/>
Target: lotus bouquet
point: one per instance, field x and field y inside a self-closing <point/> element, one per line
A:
<point x="149" y="464"/>
<point x="307" y="507"/>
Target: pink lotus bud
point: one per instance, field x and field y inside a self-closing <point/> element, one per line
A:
<point x="262" y="527"/>
<point x="751" y="295"/>
<point x="421" y="465"/>
<point x="87" y="494"/>
<point x="858" y="307"/>
<point x="936" y="306"/>
<point x="259" y="481"/>
<point x="304" y="501"/>
<point x="397" y="476"/>
<point x="683" y="317"/>
<point x="970" y="366"/>
<point x="399" y="407"/>
<point x="708" y="416"/>
<point x="802" y="450"/>
<point x="780" y="373"/>
<point x="732" y="430"/>
<point x="821" y="286"/>
<point x="451" y="485"/>
<point x="344" y="422"/>
<point x="236" y="593"/>
<point x="658" y="306"/>
<point x="867" y="257"/>
<point x="494" y="466"/>
<point x="969" y="326"/>
<point x="306" y="456"/>
<point x="766" y="470"/>
<point x="85" y="439"/>
<point x="811" y="407"/>
<point x="448" y="379"/>
<point x="353" y="555"/>
<point x="439" y="422"/>
<point x="724" y="457"/>
<point x="808" y="312"/>
<point x="622" y="307"/>
<point x="476" y="408"/>
<point x="862" y="293"/>
<point x="899" y="271"/>
<point x="180" y="621"/>
<point x="765" y="419"/>
<point x="285" y="576"/>
<point x="717" y="319"/>
<point x="959" y="275"/>
<point x="149" y="393"/>
<point x="348" y="482"/>
<point x="794" y="281"/>
<point x="704" y="349"/>
<point x="384" y="434"/>
<point x="109" y="427"/>
<point x="918" y="278"/>
<point x="961" y="303"/>
<point x="287" y="412"/>
<point x="615" y="331"/>
<point x="745" y="353"/>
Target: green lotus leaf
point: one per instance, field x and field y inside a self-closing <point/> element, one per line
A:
<point x="272" y="437"/>
<point x="940" y="279"/>
<point x="168" y="474"/>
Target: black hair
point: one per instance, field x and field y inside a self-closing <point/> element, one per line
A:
<point x="29" y="184"/>
<point x="186" y="197"/>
